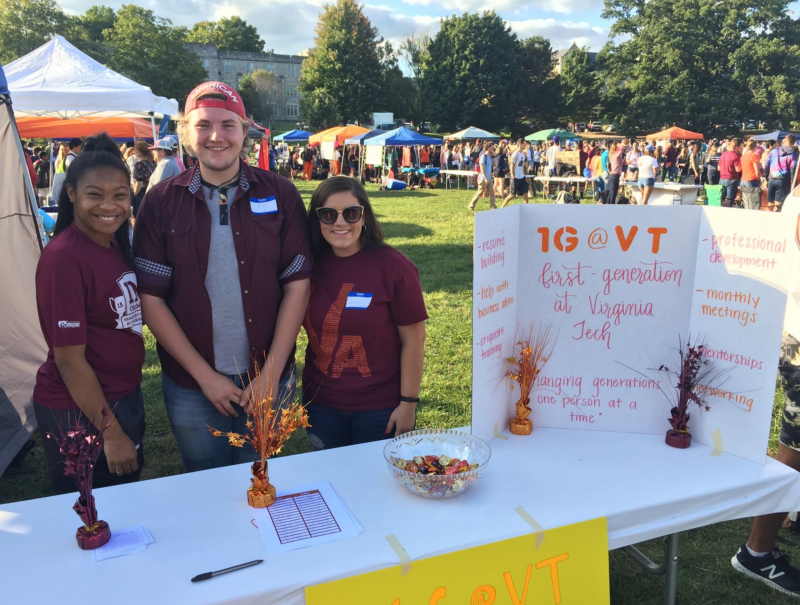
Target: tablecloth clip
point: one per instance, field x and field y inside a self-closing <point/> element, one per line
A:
<point x="717" y="435"/>
<point x="538" y="529"/>
<point x="402" y="554"/>
<point x="497" y="434"/>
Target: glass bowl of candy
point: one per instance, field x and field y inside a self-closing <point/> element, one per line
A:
<point x="437" y="463"/>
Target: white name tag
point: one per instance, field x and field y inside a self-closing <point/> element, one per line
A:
<point x="266" y="205"/>
<point x="358" y="300"/>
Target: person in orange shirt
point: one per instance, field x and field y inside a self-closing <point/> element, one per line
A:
<point x="751" y="177"/>
<point x="424" y="156"/>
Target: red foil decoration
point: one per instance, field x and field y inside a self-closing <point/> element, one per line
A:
<point x="81" y="447"/>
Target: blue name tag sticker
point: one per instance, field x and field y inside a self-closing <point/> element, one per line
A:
<point x="264" y="205"/>
<point x="358" y="300"/>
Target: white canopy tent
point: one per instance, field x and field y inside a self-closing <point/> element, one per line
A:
<point x="58" y="80"/>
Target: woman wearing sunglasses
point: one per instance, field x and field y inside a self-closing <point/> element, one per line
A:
<point x="365" y="324"/>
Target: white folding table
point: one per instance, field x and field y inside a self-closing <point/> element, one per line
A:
<point x="667" y="194"/>
<point x="201" y="521"/>
<point x="467" y="174"/>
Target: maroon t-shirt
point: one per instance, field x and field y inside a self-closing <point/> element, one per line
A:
<point x="671" y="155"/>
<point x="353" y="353"/>
<point x="87" y="295"/>
<point x="728" y="164"/>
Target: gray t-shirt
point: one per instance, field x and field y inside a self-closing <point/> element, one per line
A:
<point x="165" y="169"/>
<point x="231" y="346"/>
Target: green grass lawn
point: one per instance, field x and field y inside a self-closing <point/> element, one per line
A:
<point x="434" y="229"/>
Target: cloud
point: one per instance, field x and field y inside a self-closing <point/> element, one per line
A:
<point x="565" y="7"/>
<point x="287" y="26"/>
<point x="561" y="33"/>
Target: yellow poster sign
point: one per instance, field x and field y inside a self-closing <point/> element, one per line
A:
<point x="569" y="567"/>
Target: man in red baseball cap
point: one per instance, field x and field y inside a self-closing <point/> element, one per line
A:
<point x="223" y="259"/>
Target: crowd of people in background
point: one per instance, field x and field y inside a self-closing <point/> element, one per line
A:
<point x="741" y="168"/>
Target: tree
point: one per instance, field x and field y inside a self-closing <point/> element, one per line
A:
<point x="319" y="110"/>
<point x="472" y="76"/>
<point x="151" y="51"/>
<point x="86" y="32"/>
<point x="580" y="87"/>
<point x="346" y="63"/>
<point x="229" y="33"/>
<point x="96" y="20"/>
<point x="27" y="24"/>
<point x="414" y="53"/>
<point x="263" y="94"/>
<point x="699" y="63"/>
<point x="540" y="102"/>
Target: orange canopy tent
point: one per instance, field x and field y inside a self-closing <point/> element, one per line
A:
<point x="35" y="127"/>
<point x="674" y="133"/>
<point x="339" y="133"/>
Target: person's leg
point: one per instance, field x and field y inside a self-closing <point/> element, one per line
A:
<point x="773" y="187"/>
<point x="53" y="424"/>
<point x="724" y="183"/>
<point x="492" y="202"/>
<point x="758" y="558"/>
<point x="480" y="188"/>
<point x="647" y="190"/>
<point x="190" y="415"/>
<point x="329" y="428"/>
<point x="751" y="196"/>
<point x="613" y="187"/>
<point x="130" y="415"/>
<point x="371" y="426"/>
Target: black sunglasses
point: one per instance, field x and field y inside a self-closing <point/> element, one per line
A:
<point x="351" y="214"/>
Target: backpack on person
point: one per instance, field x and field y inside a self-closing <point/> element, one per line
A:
<point x="478" y="161"/>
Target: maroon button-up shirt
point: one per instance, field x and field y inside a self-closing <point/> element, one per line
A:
<point x="171" y="244"/>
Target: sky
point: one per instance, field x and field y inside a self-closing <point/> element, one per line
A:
<point x="287" y="26"/>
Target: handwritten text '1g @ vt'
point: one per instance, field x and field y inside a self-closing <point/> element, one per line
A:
<point x="566" y="239"/>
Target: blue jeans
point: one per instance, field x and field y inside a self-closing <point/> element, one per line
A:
<point x="190" y="415"/>
<point x="332" y="428"/>
<point x="729" y="189"/>
<point x="671" y="172"/>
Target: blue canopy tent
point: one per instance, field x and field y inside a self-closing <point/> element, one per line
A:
<point x="293" y="135"/>
<point x="778" y="135"/>
<point x="360" y="138"/>
<point x="402" y="137"/>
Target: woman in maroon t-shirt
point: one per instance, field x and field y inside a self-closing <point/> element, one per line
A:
<point x="91" y="318"/>
<point x="365" y="324"/>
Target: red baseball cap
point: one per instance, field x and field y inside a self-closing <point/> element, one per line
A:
<point x="232" y="102"/>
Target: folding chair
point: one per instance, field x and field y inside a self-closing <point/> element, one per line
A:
<point x="713" y="195"/>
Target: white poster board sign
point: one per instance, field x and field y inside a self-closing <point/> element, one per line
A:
<point x="326" y="150"/>
<point x="375" y="155"/>
<point x="621" y="286"/>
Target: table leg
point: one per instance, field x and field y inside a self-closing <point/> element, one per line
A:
<point x="668" y="569"/>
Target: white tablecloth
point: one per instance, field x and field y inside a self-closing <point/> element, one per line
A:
<point x="668" y="194"/>
<point x="201" y="521"/>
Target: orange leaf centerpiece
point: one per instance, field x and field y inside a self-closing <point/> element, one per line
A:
<point x="532" y="353"/>
<point x="270" y="423"/>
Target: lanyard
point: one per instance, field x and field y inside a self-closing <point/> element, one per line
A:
<point x="223" y="197"/>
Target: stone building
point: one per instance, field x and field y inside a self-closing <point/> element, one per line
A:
<point x="560" y="55"/>
<point x="230" y="66"/>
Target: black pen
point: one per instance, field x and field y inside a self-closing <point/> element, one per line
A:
<point x="213" y="574"/>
